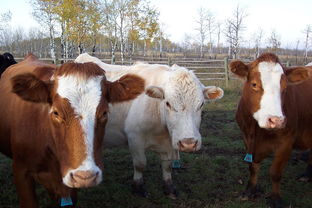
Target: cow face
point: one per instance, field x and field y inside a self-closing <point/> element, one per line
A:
<point x="182" y="99"/>
<point x="266" y="83"/>
<point x="78" y="98"/>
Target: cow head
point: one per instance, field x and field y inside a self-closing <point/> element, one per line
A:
<point x="182" y="98"/>
<point x="265" y="86"/>
<point x="78" y="97"/>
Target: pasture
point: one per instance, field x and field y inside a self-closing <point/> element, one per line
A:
<point x="212" y="177"/>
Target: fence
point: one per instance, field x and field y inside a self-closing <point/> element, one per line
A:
<point x="205" y="69"/>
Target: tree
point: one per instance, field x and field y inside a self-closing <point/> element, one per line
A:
<point x="257" y="42"/>
<point x="274" y="41"/>
<point x="45" y="15"/>
<point x="5" y="18"/>
<point x="202" y="29"/>
<point x="211" y="27"/>
<point x="234" y="29"/>
<point x="218" y="26"/>
<point x="307" y="31"/>
<point x="149" y="26"/>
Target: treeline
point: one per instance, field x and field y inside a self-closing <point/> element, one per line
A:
<point x="128" y="28"/>
<point x="74" y="26"/>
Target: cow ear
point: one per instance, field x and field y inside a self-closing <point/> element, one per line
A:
<point x="213" y="93"/>
<point x="126" y="88"/>
<point x="28" y="87"/>
<point x="239" y="68"/>
<point x="297" y="75"/>
<point x="155" y="92"/>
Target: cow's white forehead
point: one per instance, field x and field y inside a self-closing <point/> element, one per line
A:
<point x="84" y="95"/>
<point x="270" y="67"/>
<point x="184" y="88"/>
<point x="270" y="103"/>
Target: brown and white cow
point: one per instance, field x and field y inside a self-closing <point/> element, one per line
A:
<point x="53" y="122"/>
<point x="275" y="116"/>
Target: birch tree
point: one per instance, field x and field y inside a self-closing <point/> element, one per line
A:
<point x="258" y="36"/>
<point x="307" y="43"/>
<point x="234" y="30"/>
<point x="45" y="15"/>
<point x="211" y="28"/>
<point x="202" y="29"/>
<point x="274" y="41"/>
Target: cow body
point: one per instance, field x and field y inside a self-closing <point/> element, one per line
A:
<point x="165" y="119"/>
<point x="274" y="116"/>
<point x="6" y="60"/>
<point x="52" y="125"/>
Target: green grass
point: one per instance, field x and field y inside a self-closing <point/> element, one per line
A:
<point x="212" y="178"/>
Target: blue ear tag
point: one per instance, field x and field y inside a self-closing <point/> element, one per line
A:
<point x="248" y="158"/>
<point x="176" y="164"/>
<point x="66" y="201"/>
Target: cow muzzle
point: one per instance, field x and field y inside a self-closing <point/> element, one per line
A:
<point x="187" y="145"/>
<point x="275" y="122"/>
<point x="84" y="179"/>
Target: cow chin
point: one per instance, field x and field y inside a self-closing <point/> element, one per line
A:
<point x="79" y="178"/>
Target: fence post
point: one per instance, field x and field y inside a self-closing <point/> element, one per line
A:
<point x="226" y="71"/>
<point x="288" y="63"/>
<point x="169" y="61"/>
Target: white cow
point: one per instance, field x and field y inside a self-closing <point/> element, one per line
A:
<point x="165" y="119"/>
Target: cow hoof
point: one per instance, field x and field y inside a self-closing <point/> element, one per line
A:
<point x="170" y="190"/>
<point x="138" y="188"/>
<point x="304" y="178"/>
<point x="276" y="202"/>
<point x="251" y="193"/>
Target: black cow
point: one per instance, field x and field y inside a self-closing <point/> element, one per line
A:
<point x="6" y="60"/>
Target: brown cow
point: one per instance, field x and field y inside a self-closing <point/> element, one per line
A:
<point x="275" y="116"/>
<point x="53" y="123"/>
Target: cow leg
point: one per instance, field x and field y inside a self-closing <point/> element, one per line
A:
<point x="139" y="164"/>
<point x="307" y="175"/>
<point x="169" y="188"/>
<point x="25" y="187"/>
<point x="281" y="158"/>
<point x="252" y="190"/>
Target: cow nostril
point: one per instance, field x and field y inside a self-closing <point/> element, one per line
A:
<point x="180" y="144"/>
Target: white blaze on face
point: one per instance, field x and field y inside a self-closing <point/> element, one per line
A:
<point x="270" y="103"/>
<point x="84" y="96"/>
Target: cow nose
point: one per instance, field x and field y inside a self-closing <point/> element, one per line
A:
<point x="187" y="145"/>
<point x="275" y="122"/>
<point x="84" y="178"/>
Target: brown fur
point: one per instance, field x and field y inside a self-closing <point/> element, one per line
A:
<point x="85" y="70"/>
<point x="296" y="101"/>
<point x="127" y="88"/>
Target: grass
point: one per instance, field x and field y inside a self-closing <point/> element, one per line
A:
<point x="214" y="176"/>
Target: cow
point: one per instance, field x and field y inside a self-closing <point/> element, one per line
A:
<point x="274" y="115"/>
<point x="6" y="60"/>
<point x="53" y="123"/>
<point x="165" y="119"/>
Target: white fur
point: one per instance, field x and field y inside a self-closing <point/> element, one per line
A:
<point x="270" y="104"/>
<point x="84" y="96"/>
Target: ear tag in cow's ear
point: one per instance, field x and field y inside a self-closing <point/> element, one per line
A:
<point x="176" y="164"/>
<point x="248" y="158"/>
<point x="66" y="201"/>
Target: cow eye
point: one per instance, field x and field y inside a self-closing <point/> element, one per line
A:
<point x="254" y="84"/>
<point x="55" y="113"/>
<point x="103" y="116"/>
